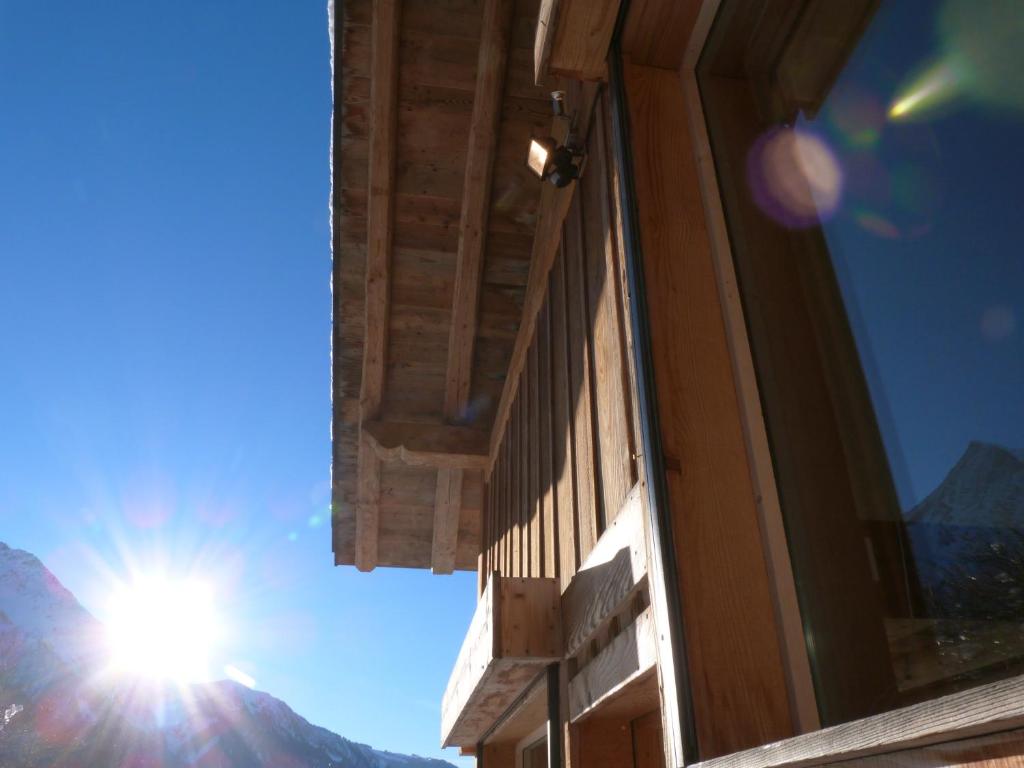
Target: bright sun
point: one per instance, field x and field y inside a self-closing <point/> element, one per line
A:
<point x="163" y="629"/>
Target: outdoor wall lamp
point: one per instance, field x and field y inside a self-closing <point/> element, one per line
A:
<point x="550" y="161"/>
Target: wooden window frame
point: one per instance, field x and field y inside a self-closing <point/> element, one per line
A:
<point x="983" y="711"/>
<point x="528" y="742"/>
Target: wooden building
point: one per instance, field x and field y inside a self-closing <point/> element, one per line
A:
<point x="641" y="406"/>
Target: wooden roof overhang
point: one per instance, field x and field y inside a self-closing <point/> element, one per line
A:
<point x="434" y="215"/>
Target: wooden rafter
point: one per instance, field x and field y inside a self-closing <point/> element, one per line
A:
<point x="380" y="215"/>
<point x="476" y="200"/>
<point x="554" y="206"/>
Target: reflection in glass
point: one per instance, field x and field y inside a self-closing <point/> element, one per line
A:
<point x="870" y="162"/>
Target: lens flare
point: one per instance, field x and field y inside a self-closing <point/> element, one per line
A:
<point x="795" y="177"/>
<point x="998" y="322"/>
<point x="935" y="87"/>
<point x="239" y="676"/>
<point x="856" y="115"/>
<point x="980" y="62"/>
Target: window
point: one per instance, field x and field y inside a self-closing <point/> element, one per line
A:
<point x="536" y="755"/>
<point x="870" y="161"/>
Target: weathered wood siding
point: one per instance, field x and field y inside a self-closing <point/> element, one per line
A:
<point x="566" y="460"/>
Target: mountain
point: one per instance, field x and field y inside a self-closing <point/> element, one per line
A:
<point x="57" y="708"/>
<point x="967" y="537"/>
<point x="984" y="488"/>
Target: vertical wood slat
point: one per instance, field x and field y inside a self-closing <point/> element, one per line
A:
<point x="548" y="505"/>
<point x="485" y="524"/>
<point x="587" y="497"/>
<point x="502" y="542"/>
<point x="484" y="571"/>
<point x="615" y="449"/>
<point x="536" y="507"/>
<point x="524" y="480"/>
<point x="515" y="481"/>
<point x="565" y="462"/>
<point x="614" y="190"/>
<point x="523" y="484"/>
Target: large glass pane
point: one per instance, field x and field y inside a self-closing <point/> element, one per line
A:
<point x="870" y="160"/>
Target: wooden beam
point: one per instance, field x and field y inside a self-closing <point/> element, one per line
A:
<point x="476" y="202"/>
<point x="428" y="445"/>
<point x="573" y="37"/>
<point x="380" y="215"/>
<point x="492" y="62"/>
<point x="447" y="505"/>
<point x="554" y="205"/>
<point x="367" y="505"/>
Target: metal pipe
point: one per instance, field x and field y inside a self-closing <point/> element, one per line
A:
<point x="554" y="717"/>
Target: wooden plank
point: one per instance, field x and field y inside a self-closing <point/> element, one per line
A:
<point x="732" y="643"/>
<point x="514" y="634"/>
<point x="1000" y="750"/>
<point x="610" y="375"/>
<point x="983" y="710"/>
<point x="581" y="387"/>
<point x="561" y="403"/>
<point x="380" y="215"/>
<point x="536" y="508"/>
<point x="549" y="526"/>
<point x="516" y="483"/>
<point x="506" y="534"/>
<point x="627" y="660"/>
<point x="485" y="537"/>
<point x="447" y="506"/>
<point x="573" y="37"/>
<point x="476" y="198"/>
<point x="525" y="499"/>
<point x="614" y="572"/>
<point x="428" y="445"/>
<point x="553" y="207"/>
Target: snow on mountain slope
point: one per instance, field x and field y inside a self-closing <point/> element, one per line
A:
<point x="984" y="488"/>
<point x="43" y="610"/>
<point x="967" y="537"/>
<point x="73" y="717"/>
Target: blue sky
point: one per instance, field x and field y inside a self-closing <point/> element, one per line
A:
<point x="164" y="337"/>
